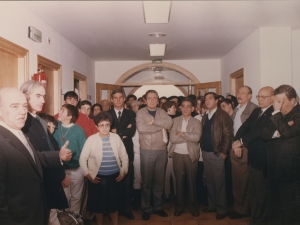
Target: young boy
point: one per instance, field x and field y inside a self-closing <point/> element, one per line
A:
<point x="67" y="130"/>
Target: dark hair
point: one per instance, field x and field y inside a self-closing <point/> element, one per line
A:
<point x="131" y="96"/>
<point x="173" y="96"/>
<point x="211" y="93"/>
<point x="50" y="119"/>
<point x="287" y="89"/>
<point x="234" y="100"/>
<point x="71" y="94"/>
<point x="85" y="102"/>
<point x="116" y="91"/>
<point x="202" y="104"/>
<point x="193" y="97"/>
<point x="103" y="116"/>
<point x="227" y="101"/>
<point x="93" y="107"/>
<point x="220" y="98"/>
<point x="151" y="91"/>
<point x="168" y="104"/>
<point x="249" y="89"/>
<point x="187" y="99"/>
<point x="163" y="97"/>
<point x="72" y="111"/>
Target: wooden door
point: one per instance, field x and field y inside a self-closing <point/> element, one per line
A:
<point x="13" y="64"/>
<point x="202" y="88"/>
<point x="103" y="91"/>
<point x="80" y="85"/>
<point x="236" y="81"/>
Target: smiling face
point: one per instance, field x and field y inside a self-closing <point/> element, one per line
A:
<point x="13" y="109"/>
<point x="37" y="99"/>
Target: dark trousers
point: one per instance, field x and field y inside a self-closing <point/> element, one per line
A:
<point x="127" y="189"/>
<point x="258" y="196"/>
<point x="214" y="171"/>
<point x="153" y="167"/>
<point x="185" y="170"/>
<point x="284" y="202"/>
<point x="200" y="185"/>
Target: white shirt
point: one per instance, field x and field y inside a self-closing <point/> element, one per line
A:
<point x="210" y="114"/>
<point x="182" y="147"/>
<point x="237" y="123"/>
<point x="19" y="134"/>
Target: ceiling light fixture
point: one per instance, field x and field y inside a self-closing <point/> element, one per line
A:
<point x="157" y="11"/>
<point x="157" y="49"/>
<point x="157" y="34"/>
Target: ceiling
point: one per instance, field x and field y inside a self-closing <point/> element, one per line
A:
<point x="116" y="30"/>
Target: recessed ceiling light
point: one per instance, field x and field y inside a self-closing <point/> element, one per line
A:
<point x="157" y="49"/>
<point x="157" y="34"/>
<point x="157" y="11"/>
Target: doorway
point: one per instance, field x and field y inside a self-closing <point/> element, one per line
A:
<point x="236" y="81"/>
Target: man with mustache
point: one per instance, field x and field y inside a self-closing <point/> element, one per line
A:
<point x="240" y="164"/>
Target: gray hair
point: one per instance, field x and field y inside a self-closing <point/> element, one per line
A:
<point x="29" y="86"/>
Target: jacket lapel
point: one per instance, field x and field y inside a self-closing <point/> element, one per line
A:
<point x="14" y="141"/>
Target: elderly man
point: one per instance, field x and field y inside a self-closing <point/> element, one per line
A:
<point x="152" y="123"/>
<point x="184" y="137"/>
<point x="35" y="129"/>
<point x="283" y="155"/>
<point x="105" y="105"/>
<point x="22" y="199"/>
<point x="217" y="136"/>
<point x="240" y="164"/>
<point x="250" y="136"/>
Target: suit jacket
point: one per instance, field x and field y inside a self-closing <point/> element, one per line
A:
<point x="191" y="136"/>
<point x="22" y="199"/>
<point x="251" y="134"/>
<point x="127" y="117"/>
<point x="283" y="153"/>
<point x="37" y="133"/>
<point x="247" y="111"/>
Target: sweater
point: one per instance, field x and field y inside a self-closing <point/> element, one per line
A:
<point x="76" y="137"/>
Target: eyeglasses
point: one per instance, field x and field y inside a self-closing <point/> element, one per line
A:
<point x="262" y="97"/>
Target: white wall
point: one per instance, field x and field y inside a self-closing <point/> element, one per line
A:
<point x="246" y="55"/>
<point x="14" y="27"/>
<point x="204" y="70"/>
<point x="296" y="60"/>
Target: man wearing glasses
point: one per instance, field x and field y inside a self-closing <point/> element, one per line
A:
<point x="249" y="135"/>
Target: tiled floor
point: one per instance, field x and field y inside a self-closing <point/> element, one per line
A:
<point x="185" y="219"/>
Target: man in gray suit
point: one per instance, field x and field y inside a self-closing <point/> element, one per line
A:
<point x="241" y="207"/>
<point x="184" y="137"/>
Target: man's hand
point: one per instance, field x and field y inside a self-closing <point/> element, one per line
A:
<point x="290" y="123"/>
<point x="150" y="122"/>
<point x="179" y="133"/>
<point x="277" y="103"/>
<point x="119" y="178"/>
<point x="114" y="130"/>
<point x="236" y="144"/>
<point x="94" y="181"/>
<point x="223" y="156"/>
<point x="129" y="125"/>
<point x="65" y="154"/>
<point x="66" y="182"/>
<point x="238" y="152"/>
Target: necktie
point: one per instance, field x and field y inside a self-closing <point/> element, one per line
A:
<point x="119" y="117"/>
<point x="260" y="113"/>
<point x="25" y="142"/>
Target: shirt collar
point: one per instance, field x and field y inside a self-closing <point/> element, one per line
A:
<point x="118" y="111"/>
<point x="14" y="131"/>
<point x="212" y="112"/>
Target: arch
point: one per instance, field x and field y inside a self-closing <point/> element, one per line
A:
<point x="167" y="65"/>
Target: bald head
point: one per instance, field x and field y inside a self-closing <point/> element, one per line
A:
<point x="105" y="105"/>
<point x="13" y="107"/>
<point x="265" y="97"/>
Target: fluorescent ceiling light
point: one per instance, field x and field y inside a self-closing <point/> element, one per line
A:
<point x="157" y="49"/>
<point x="157" y="11"/>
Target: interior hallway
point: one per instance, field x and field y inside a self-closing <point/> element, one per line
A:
<point x="185" y="219"/>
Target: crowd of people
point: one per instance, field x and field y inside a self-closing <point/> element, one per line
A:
<point x="128" y="153"/>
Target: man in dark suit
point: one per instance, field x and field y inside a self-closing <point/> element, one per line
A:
<point x="124" y="125"/>
<point x="249" y="135"/>
<point x="240" y="165"/>
<point x="283" y="154"/>
<point x="36" y="130"/>
<point x="22" y="199"/>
